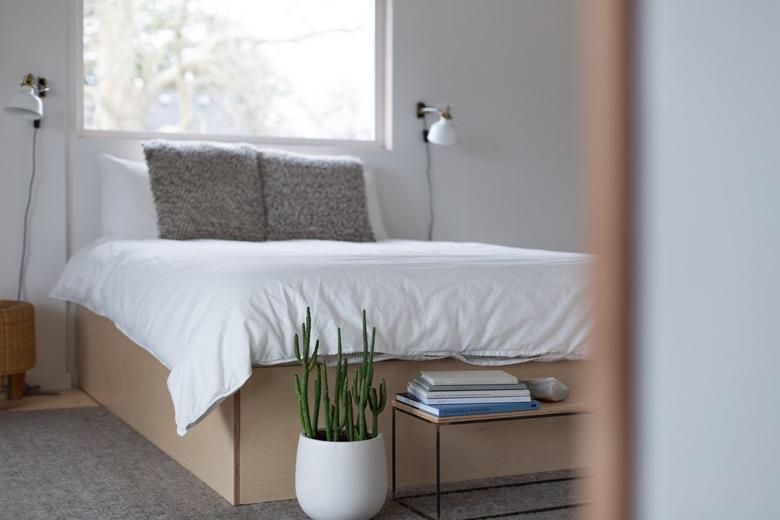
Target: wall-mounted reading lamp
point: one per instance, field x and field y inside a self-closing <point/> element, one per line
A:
<point x="26" y="103"/>
<point x="442" y="132"/>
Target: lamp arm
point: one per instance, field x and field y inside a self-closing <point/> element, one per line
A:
<point x="423" y="110"/>
<point x="38" y="84"/>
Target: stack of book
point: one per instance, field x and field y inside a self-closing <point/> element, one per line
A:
<point x="467" y="392"/>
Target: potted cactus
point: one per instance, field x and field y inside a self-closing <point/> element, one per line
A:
<point x="340" y="468"/>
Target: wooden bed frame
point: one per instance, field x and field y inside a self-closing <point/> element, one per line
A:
<point x="245" y="448"/>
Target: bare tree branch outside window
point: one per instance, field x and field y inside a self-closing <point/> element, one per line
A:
<point x="274" y="68"/>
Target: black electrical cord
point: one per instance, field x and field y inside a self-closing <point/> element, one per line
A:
<point x="27" y="216"/>
<point x="431" y="216"/>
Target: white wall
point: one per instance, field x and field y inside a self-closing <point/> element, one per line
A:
<point x="509" y="68"/>
<point x="33" y="39"/>
<point x="710" y="261"/>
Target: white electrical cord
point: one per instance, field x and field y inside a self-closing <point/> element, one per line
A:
<point x="26" y="218"/>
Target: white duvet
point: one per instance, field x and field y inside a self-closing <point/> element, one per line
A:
<point x="209" y="310"/>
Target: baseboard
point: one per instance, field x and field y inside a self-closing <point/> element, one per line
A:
<point x="50" y="380"/>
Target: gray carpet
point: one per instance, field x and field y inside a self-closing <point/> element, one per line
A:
<point x="86" y="464"/>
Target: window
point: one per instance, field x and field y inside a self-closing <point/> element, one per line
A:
<point x="300" y="69"/>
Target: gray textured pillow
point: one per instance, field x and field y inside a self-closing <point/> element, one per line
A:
<point x="206" y="190"/>
<point x="314" y="197"/>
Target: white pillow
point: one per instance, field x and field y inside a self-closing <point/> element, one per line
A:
<point x="128" y="204"/>
<point x="372" y="201"/>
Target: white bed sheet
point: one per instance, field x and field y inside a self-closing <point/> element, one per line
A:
<point x="209" y="310"/>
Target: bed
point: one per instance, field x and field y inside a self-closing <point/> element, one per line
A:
<point x="191" y="342"/>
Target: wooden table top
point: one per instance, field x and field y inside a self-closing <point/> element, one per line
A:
<point x="568" y="407"/>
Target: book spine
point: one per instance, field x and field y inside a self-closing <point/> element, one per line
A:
<point x="462" y="400"/>
<point x="441" y="381"/>
<point x="428" y="409"/>
<point x="475" y="394"/>
<point x="476" y="410"/>
<point x="481" y="400"/>
<point x="466" y="388"/>
<point x="452" y="394"/>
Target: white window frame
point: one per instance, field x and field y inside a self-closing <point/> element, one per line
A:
<point x="382" y="75"/>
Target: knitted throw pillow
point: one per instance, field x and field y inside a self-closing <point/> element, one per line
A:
<point x="206" y="190"/>
<point x="314" y="197"/>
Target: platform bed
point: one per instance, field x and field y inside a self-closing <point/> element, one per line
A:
<point x="245" y="448"/>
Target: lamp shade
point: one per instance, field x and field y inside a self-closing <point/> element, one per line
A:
<point x="25" y="103"/>
<point x="442" y="132"/>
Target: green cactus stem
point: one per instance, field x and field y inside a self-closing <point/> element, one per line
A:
<point x="350" y="424"/>
<point x="326" y="401"/>
<point x="342" y="411"/>
<point x="377" y="404"/>
<point x="317" y="399"/>
<point x="337" y="390"/>
<point x="364" y="378"/>
<point x="307" y="364"/>
<point x="301" y="411"/>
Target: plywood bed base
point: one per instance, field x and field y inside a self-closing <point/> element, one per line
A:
<point x="245" y="449"/>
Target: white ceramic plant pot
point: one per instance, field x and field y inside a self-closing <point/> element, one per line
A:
<point x="341" y="480"/>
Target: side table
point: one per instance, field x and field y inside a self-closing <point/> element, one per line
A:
<point x="560" y="409"/>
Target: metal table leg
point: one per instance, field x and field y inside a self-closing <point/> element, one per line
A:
<point x="393" y="492"/>
<point x="438" y="474"/>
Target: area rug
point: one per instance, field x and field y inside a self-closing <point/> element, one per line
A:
<point x="85" y="464"/>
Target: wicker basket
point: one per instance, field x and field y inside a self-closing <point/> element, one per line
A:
<point x="17" y="337"/>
